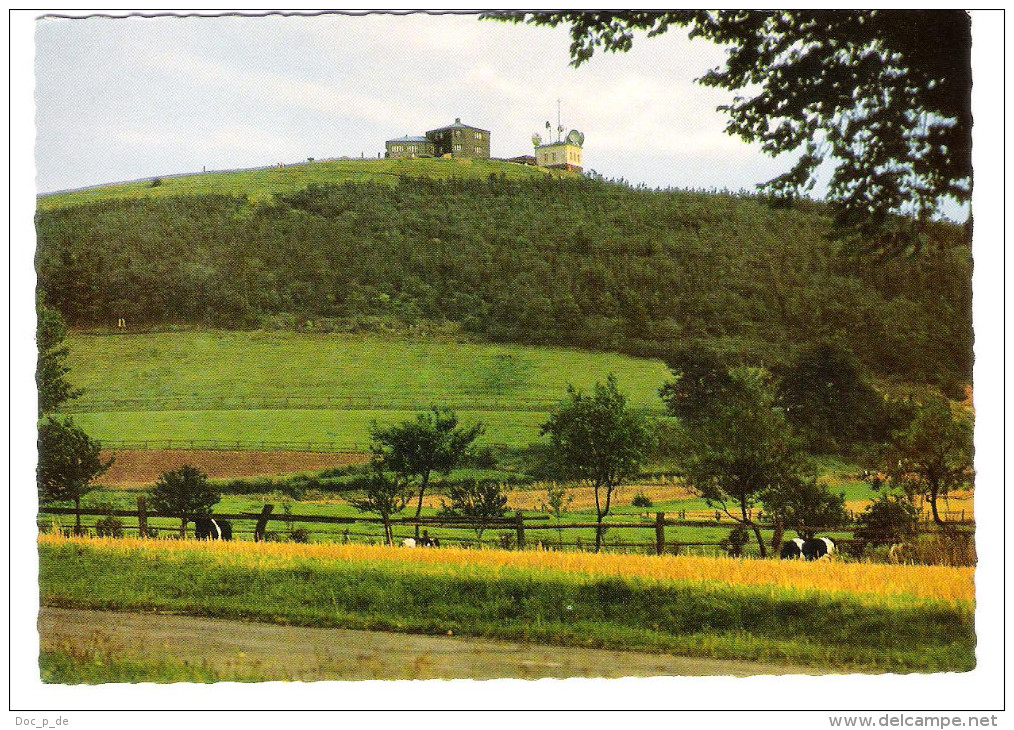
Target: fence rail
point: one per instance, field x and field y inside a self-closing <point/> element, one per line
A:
<point x="308" y="402"/>
<point x="322" y="447"/>
<point x="517" y="525"/>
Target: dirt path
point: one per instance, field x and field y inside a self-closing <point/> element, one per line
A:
<point x="296" y="653"/>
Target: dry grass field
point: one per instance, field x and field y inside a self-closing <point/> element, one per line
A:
<point x="946" y="583"/>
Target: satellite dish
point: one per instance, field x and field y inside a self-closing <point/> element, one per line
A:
<point x="575" y="138"/>
<point x="536" y="139"/>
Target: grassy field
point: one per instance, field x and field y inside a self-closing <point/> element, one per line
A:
<point x="261" y="184"/>
<point x="253" y="429"/>
<point x="838" y="616"/>
<point x="275" y="386"/>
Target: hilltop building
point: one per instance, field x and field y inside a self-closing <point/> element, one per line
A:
<point x="410" y="147"/>
<point x="563" y="154"/>
<point x="457" y="140"/>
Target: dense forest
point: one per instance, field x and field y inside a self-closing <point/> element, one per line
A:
<point x="579" y="262"/>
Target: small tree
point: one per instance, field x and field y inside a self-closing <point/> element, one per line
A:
<point x="597" y="439"/>
<point x="184" y="492"/>
<point x="743" y="451"/>
<point x="805" y="504"/>
<point x="933" y="455"/>
<point x="478" y="502"/>
<point x="51" y="367"/>
<point x="69" y="461"/>
<point x="558" y="500"/>
<point x="384" y="496"/>
<point x="413" y="450"/>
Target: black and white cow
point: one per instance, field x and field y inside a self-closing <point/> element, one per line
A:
<point x="811" y="549"/>
<point x="208" y="528"/>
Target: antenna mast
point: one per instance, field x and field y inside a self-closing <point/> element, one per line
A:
<point x="559" y="124"/>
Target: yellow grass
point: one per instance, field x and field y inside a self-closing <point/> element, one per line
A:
<point x="532" y="498"/>
<point x="948" y="583"/>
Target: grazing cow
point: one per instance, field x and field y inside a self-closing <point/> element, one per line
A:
<point x="408" y="542"/>
<point x="818" y="548"/>
<point x="811" y="549"/>
<point x="208" y="528"/>
<point x="427" y="541"/>
<point x="792" y="548"/>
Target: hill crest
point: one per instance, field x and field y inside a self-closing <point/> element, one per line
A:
<point x="262" y="183"/>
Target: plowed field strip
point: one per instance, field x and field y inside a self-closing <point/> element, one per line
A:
<point x="141" y="467"/>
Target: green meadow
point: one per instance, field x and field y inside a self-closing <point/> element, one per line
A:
<point x="262" y="183"/>
<point x="262" y="386"/>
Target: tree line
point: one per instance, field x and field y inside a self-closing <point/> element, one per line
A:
<point x="579" y="262"/>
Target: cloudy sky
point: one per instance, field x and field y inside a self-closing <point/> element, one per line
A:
<point x="121" y="99"/>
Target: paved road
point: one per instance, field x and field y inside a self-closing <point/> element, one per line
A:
<point x="290" y="652"/>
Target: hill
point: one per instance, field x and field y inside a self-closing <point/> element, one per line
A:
<point x="260" y="184"/>
<point x="571" y="262"/>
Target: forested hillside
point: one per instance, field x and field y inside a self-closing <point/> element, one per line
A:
<point x="573" y="262"/>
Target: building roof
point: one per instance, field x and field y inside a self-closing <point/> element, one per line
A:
<point x="409" y="139"/>
<point x="458" y="125"/>
<point x="561" y="143"/>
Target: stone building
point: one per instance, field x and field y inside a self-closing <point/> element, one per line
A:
<point x="410" y="147"/>
<point x="460" y="140"/>
<point x="457" y="140"/>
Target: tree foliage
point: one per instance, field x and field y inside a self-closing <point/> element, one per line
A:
<point x="384" y="495"/>
<point x="414" y="450"/>
<point x="69" y="461"/>
<point x="884" y="96"/>
<point x="574" y="262"/>
<point x="701" y="379"/>
<point x="598" y="439"/>
<point x="51" y="368"/>
<point x="933" y="455"/>
<point x="743" y="452"/>
<point x="185" y="492"/>
<point x="804" y="504"/>
<point x="480" y="502"/>
<point x="828" y="400"/>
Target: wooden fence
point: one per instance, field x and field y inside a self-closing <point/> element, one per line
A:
<point x="524" y="530"/>
<point x="309" y="402"/>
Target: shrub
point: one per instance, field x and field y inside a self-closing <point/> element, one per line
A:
<point x="109" y="526"/>
<point x="641" y="500"/>
<point x="734" y="543"/>
<point x="888" y="519"/>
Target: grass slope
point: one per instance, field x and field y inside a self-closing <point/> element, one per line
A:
<point x="262" y="183"/>
<point x="836" y="630"/>
<point x="235" y="386"/>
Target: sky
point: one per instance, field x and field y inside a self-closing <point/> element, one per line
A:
<point x="129" y="98"/>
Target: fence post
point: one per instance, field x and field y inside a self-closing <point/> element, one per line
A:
<point x="659" y="533"/>
<point x="262" y="522"/>
<point x="142" y="518"/>
<point x="519" y="523"/>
